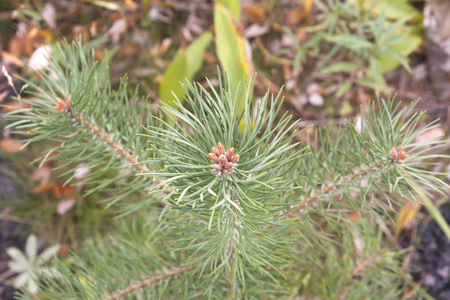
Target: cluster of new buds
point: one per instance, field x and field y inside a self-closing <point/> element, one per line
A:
<point x="63" y="105"/>
<point x="398" y="155"/>
<point x="224" y="162"/>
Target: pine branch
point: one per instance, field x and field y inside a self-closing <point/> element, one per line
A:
<point x="368" y="261"/>
<point x="327" y="189"/>
<point x="115" y="145"/>
<point x="162" y="276"/>
<point x="127" y="155"/>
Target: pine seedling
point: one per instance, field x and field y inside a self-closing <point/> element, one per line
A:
<point x="231" y="206"/>
<point x="228" y="199"/>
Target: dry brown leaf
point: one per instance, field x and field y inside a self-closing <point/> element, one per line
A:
<point x="353" y="217"/>
<point x="294" y="16"/>
<point x="58" y="191"/>
<point x="166" y="43"/>
<point x="40" y="59"/>
<point x="49" y="15"/>
<point x="117" y="30"/>
<point x="405" y="216"/>
<point x="3" y="95"/>
<point x="11" y="146"/>
<point x="430" y="135"/>
<point x="14" y="105"/>
<point x="64" y="206"/>
<point x="256" y="30"/>
<point x="63" y="251"/>
<point x="12" y="58"/>
<point x="42" y="174"/>
<point x="131" y="4"/>
<point x="255" y="14"/>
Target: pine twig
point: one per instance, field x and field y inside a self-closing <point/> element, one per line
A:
<point x="329" y="188"/>
<point x="164" y="275"/>
<point x="119" y="148"/>
<point x="368" y="261"/>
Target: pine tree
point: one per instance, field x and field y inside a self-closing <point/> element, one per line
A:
<point x="233" y="206"/>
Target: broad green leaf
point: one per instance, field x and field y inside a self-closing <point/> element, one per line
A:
<point x="394" y="9"/>
<point x="194" y="54"/>
<point x="370" y="83"/>
<point x="233" y="6"/>
<point x="175" y="73"/>
<point x="341" y="67"/>
<point x="230" y="47"/>
<point x="404" y="49"/>
<point x="185" y="64"/>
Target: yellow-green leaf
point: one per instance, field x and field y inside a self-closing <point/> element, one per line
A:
<point x="194" y="54"/>
<point x="394" y="9"/>
<point x="185" y="64"/>
<point x="230" y="47"/>
<point x="404" y="49"/>
<point x="233" y="6"/>
<point x="175" y="73"/>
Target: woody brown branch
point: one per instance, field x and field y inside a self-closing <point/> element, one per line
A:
<point x="329" y="188"/>
<point x="164" y="275"/>
<point x="118" y="147"/>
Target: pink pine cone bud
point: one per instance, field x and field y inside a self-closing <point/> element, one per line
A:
<point x="235" y="158"/>
<point x="230" y="153"/>
<point x="222" y="159"/>
<point x="213" y="158"/>
<point x="220" y="148"/>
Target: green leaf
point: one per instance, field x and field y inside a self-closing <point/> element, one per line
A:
<point x="389" y="62"/>
<point x="368" y="83"/>
<point x="194" y="54"/>
<point x="341" y="67"/>
<point x="344" y="88"/>
<point x="176" y="72"/>
<point x="233" y="6"/>
<point x="186" y="63"/>
<point x="350" y="41"/>
<point x="394" y="9"/>
<point x="230" y="47"/>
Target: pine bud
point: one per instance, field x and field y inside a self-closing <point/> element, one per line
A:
<point x="221" y="148"/>
<point x="229" y="165"/>
<point x="217" y="167"/>
<point x="222" y="159"/>
<point x="226" y="172"/>
<point x="235" y="158"/>
<point x="393" y="151"/>
<point x="214" y="150"/>
<point x="213" y="158"/>
<point x="400" y="161"/>
<point x="400" y="149"/>
<point x="230" y="153"/>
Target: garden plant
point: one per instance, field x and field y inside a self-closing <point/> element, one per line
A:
<point x="216" y="196"/>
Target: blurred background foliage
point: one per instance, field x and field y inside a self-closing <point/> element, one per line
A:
<point x="330" y="56"/>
